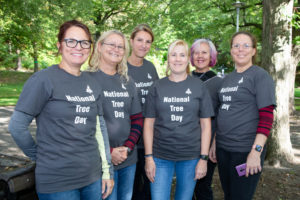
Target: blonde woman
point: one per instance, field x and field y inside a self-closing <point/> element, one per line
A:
<point x="175" y="107"/>
<point x="121" y="106"/>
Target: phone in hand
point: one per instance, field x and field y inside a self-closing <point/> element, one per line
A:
<point x="241" y="169"/>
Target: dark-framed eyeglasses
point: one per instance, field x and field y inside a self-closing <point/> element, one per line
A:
<point x="113" y="46"/>
<point x="72" y="43"/>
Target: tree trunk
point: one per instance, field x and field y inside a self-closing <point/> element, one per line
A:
<point x="277" y="59"/>
<point x="35" y="57"/>
<point x="19" y="60"/>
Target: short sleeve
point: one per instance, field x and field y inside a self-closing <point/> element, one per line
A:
<point x="149" y="107"/>
<point x="36" y="93"/>
<point x="206" y="108"/>
<point x="265" y="90"/>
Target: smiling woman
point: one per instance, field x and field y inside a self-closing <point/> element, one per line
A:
<point x="245" y="118"/>
<point x="175" y="107"/>
<point x="67" y="105"/>
<point x="122" y="109"/>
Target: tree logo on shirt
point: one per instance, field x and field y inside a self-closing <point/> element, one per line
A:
<point x="123" y="86"/>
<point x="149" y="76"/>
<point x="241" y="81"/>
<point x="188" y="91"/>
<point x="88" y="89"/>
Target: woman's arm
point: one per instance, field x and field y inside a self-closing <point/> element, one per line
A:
<point x="148" y="143"/>
<point x="18" y="127"/>
<point x="263" y="131"/>
<point x="201" y="167"/>
<point x="104" y="150"/>
<point x="135" y="130"/>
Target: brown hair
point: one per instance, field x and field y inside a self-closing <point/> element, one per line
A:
<point x="68" y="24"/>
<point x="142" y="27"/>
<point x="252" y="38"/>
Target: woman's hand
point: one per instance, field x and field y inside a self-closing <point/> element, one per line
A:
<point x="253" y="163"/>
<point x="150" y="168"/>
<point x="119" y="155"/>
<point x="212" y="152"/>
<point x="107" y="187"/>
<point x="201" y="169"/>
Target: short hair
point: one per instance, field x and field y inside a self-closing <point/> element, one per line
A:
<point x="252" y="38"/>
<point x="213" y="52"/>
<point x="170" y="49"/>
<point x="142" y="27"/>
<point x="68" y="24"/>
<point x="94" y="61"/>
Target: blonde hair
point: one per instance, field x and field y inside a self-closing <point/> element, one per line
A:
<point x="95" y="62"/>
<point x="187" y="50"/>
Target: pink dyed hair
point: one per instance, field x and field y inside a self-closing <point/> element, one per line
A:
<point x="213" y="51"/>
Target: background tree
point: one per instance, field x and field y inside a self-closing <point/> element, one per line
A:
<point x="280" y="59"/>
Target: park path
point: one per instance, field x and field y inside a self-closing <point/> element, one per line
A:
<point x="7" y="144"/>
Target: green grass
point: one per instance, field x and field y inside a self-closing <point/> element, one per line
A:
<point x="297" y="92"/>
<point x="11" y="85"/>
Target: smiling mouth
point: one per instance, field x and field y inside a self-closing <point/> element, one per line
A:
<point x="77" y="54"/>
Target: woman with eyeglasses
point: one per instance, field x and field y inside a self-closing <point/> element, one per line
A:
<point x="175" y="143"/>
<point x="144" y="74"/>
<point x="244" y="121"/>
<point x="203" y="57"/>
<point x="67" y="106"/>
<point x="122" y="109"/>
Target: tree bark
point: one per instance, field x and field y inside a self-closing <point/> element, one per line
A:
<point x="19" y="60"/>
<point x="35" y="57"/>
<point x="277" y="59"/>
<point x="295" y="62"/>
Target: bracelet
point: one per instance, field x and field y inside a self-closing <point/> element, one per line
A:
<point x="148" y="155"/>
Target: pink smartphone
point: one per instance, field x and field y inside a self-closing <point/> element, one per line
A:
<point x="241" y="169"/>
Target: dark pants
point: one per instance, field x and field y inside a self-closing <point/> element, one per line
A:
<point x="236" y="187"/>
<point x="141" y="188"/>
<point x="203" y="190"/>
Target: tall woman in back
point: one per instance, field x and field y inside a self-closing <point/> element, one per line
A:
<point x="244" y="120"/>
<point x="65" y="103"/>
<point x="122" y="109"/>
<point x="144" y="74"/>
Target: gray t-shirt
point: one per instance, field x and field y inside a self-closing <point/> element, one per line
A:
<point x="65" y="107"/>
<point x="143" y="76"/>
<point x="213" y="84"/>
<point x="119" y="102"/>
<point x="241" y="96"/>
<point x="177" y="108"/>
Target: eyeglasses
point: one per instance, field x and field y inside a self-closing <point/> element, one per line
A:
<point x="244" y="46"/>
<point x="113" y="46"/>
<point x="72" y="43"/>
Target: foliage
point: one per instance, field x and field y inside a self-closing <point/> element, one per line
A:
<point x="31" y="26"/>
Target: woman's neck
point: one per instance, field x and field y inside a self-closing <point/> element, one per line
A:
<point x="73" y="70"/>
<point x="107" y="68"/>
<point x="135" y="61"/>
<point x="241" y="69"/>
<point x="177" y="77"/>
<point x="204" y="70"/>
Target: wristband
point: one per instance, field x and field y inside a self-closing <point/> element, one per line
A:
<point x="148" y="155"/>
<point x="204" y="157"/>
